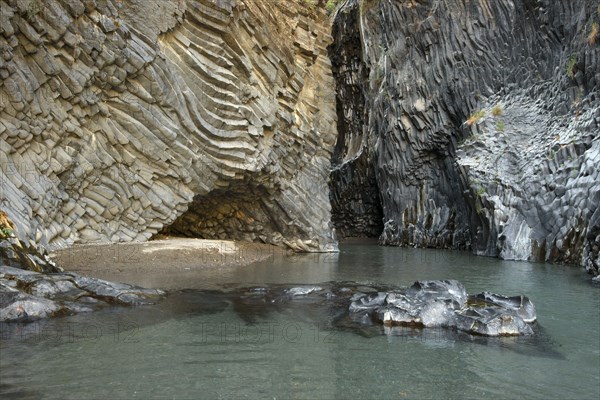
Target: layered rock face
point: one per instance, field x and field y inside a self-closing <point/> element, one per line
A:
<point x="211" y="118"/>
<point x="476" y="122"/>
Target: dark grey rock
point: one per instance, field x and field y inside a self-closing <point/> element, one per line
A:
<point x="523" y="307"/>
<point x="491" y="321"/>
<point x="445" y="304"/>
<point x="27" y="295"/>
<point x="454" y="135"/>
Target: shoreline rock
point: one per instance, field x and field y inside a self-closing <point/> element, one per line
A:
<point x="28" y="295"/>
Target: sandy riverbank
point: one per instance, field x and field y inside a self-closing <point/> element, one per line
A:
<point x="166" y="264"/>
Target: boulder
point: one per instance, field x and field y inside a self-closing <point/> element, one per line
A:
<point x="446" y="304"/>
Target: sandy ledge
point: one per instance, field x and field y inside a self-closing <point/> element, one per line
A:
<point x="171" y="263"/>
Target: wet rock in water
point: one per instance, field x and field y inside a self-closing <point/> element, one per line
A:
<point x="119" y="293"/>
<point x="304" y="290"/>
<point x="16" y="305"/>
<point x="520" y="304"/>
<point x="435" y="290"/>
<point x="446" y="304"/>
<point x="425" y="303"/>
<point x="438" y="313"/>
<point x="367" y="302"/>
<point x="396" y="316"/>
<point x="492" y="321"/>
<point x="27" y="295"/>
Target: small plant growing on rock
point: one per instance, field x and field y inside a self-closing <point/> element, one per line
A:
<point x="497" y="110"/>
<point x="6" y="233"/>
<point x="331" y="5"/>
<point x="33" y="8"/>
<point x="475" y="117"/>
<point x="7" y="229"/>
<point x="500" y="125"/>
<point x="592" y="37"/>
<point x="571" y="66"/>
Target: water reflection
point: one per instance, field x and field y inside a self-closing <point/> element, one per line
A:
<point x="221" y="340"/>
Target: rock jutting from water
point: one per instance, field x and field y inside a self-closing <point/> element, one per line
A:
<point x="446" y="304"/>
<point x="28" y="295"/>
<point x="425" y="304"/>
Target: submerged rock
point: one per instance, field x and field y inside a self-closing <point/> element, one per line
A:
<point x="304" y="290"/>
<point x="27" y="295"/>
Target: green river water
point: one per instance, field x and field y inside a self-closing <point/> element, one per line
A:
<point x="194" y="345"/>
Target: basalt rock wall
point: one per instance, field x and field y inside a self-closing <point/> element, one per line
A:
<point x="476" y="122"/>
<point x="209" y="118"/>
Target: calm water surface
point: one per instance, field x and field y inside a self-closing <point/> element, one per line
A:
<point x="197" y="345"/>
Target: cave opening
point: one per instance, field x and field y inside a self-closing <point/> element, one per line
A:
<point x="233" y="213"/>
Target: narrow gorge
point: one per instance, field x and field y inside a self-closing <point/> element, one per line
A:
<point x="460" y="124"/>
<point x="470" y="125"/>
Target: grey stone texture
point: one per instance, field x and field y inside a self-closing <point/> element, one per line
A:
<point x="211" y="118"/>
<point x="28" y="295"/>
<point x="470" y="125"/>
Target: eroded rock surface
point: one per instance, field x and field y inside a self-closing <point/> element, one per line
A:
<point x="426" y="304"/>
<point x="209" y="118"/>
<point x="18" y="254"/>
<point x="445" y="304"/>
<point x="475" y="123"/>
<point x="28" y="295"/>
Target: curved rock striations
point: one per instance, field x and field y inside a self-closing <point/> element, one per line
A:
<point x="213" y="118"/>
<point x="481" y="121"/>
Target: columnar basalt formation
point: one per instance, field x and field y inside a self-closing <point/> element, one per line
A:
<point x="212" y="118"/>
<point x="479" y="121"/>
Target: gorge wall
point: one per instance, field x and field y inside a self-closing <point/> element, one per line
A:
<point x="211" y="118"/>
<point x="476" y="122"/>
<point x="463" y="124"/>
